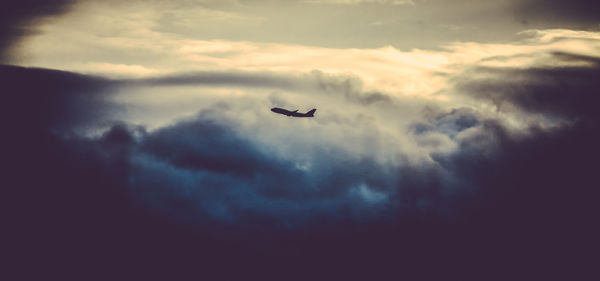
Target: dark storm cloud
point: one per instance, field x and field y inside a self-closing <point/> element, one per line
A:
<point x="224" y="159"/>
<point x="567" y="91"/>
<point x="511" y="198"/>
<point x="545" y="175"/>
<point x="225" y="177"/>
<point x="51" y="99"/>
<point x="486" y="148"/>
<point x="43" y="108"/>
<point x="203" y="146"/>
<point x="560" y="11"/>
<point x="242" y="181"/>
<point x="36" y="103"/>
<point x="18" y="17"/>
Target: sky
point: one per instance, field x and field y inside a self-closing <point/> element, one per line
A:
<point x="459" y="135"/>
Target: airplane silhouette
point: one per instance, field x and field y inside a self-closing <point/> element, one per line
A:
<point x="294" y="113"/>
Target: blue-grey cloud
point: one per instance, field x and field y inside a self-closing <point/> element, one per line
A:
<point x="145" y="195"/>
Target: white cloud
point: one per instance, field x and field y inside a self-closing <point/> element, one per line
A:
<point x="368" y="195"/>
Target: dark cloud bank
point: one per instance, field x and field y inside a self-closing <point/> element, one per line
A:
<point x="18" y="17"/>
<point x="560" y="12"/>
<point x="198" y="197"/>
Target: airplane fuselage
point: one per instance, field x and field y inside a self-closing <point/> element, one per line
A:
<point x="293" y="113"/>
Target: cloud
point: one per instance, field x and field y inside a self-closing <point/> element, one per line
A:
<point x="568" y="92"/>
<point x="229" y="160"/>
<point x="227" y="177"/>
<point x="55" y="100"/>
<point x="205" y="161"/>
<point x="201" y="145"/>
<point x="348" y="86"/>
<point x="561" y="11"/>
<point x="356" y="2"/>
<point x="17" y="18"/>
<point x="347" y="184"/>
<point x="495" y="149"/>
<point x="139" y="51"/>
<point x="223" y="172"/>
<point x="367" y="194"/>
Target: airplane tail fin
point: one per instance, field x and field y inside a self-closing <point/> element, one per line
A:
<point x="311" y="113"/>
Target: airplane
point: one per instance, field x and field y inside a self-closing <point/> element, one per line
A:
<point x="294" y="113"/>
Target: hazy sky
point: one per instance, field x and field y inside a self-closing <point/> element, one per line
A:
<point x="338" y="24"/>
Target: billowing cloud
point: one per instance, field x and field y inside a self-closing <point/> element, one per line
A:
<point x="358" y="159"/>
<point x="471" y="150"/>
<point x="206" y="137"/>
<point x="484" y="179"/>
